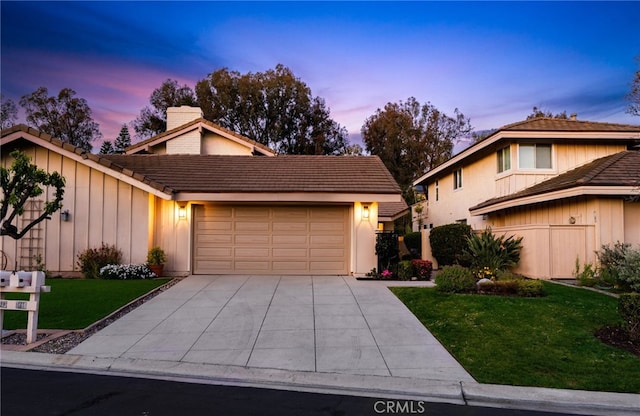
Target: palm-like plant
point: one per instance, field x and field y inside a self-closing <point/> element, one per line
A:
<point x="488" y="250"/>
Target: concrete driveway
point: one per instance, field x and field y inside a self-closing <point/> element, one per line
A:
<point x="327" y="324"/>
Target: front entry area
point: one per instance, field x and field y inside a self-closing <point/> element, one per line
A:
<point x="271" y="239"/>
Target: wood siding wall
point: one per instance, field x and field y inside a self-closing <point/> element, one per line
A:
<point x="559" y="232"/>
<point x="102" y="210"/>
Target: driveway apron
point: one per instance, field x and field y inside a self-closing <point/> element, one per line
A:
<point x="328" y="324"/>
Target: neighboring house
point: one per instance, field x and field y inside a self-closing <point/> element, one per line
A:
<point x="216" y="202"/>
<point x="567" y="186"/>
<point x="388" y="212"/>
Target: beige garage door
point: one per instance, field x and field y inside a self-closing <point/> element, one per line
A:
<point x="271" y="240"/>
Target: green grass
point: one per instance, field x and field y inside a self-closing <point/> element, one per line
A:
<point x="545" y="342"/>
<point x="77" y="303"/>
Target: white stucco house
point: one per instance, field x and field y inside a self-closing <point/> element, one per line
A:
<point x="216" y="202"/>
<point x="567" y="186"/>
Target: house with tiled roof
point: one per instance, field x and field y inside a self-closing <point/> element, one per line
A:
<point x="215" y="201"/>
<point x="566" y="186"/>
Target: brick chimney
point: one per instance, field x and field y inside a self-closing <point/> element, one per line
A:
<point x="573" y="116"/>
<point x="177" y="116"/>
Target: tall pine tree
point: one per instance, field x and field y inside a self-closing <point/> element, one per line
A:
<point x="123" y="140"/>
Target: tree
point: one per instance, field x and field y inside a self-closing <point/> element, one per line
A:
<point x="123" y="140"/>
<point x="153" y="120"/>
<point x="20" y="182"/>
<point x="273" y="108"/>
<point x="8" y="113"/>
<point x="64" y="117"/>
<point x="412" y="138"/>
<point x="634" y="95"/>
<point x="538" y="112"/>
<point x="106" y="148"/>
<point x="353" y="150"/>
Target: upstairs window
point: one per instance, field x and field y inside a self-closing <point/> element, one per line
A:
<point x="457" y="179"/>
<point x="437" y="191"/>
<point x="504" y="159"/>
<point x="534" y="156"/>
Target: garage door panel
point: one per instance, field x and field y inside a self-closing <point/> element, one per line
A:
<point x="253" y="252"/>
<point x="290" y="239"/>
<point x="204" y="239"/>
<point x="214" y="252"/>
<point x="286" y="267"/>
<point x="251" y="265"/>
<point x="271" y="240"/>
<point x="296" y="253"/>
<point x="318" y="240"/>
<point x="252" y="239"/>
<point x="290" y="227"/>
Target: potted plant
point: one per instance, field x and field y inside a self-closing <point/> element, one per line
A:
<point x="156" y="258"/>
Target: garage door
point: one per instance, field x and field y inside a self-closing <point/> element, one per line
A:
<point x="271" y="240"/>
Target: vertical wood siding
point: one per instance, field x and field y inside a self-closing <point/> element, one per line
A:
<point x="103" y="210"/>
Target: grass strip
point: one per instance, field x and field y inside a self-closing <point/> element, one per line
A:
<point x="77" y="303"/>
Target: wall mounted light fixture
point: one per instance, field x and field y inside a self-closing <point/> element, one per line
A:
<point x="182" y="210"/>
<point x="65" y="215"/>
<point x="365" y="212"/>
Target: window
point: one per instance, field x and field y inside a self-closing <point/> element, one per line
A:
<point x="437" y="191"/>
<point x="534" y="156"/>
<point x="457" y="179"/>
<point x="504" y="159"/>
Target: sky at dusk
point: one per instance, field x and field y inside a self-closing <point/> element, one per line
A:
<point x="493" y="61"/>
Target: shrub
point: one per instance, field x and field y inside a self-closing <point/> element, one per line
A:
<point x="92" y="260"/>
<point x="126" y="272"/>
<point x="586" y="276"/>
<point x="629" y="310"/>
<point x="387" y="250"/>
<point x="530" y="288"/>
<point x="610" y="259"/>
<point x="486" y="250"/>
<point x="455" y="279"/>
<point x="448" y="242"/>
<point x="405" y="270"/>
<point x="422" y="269"/>
<point x="629" y="270"/>
<point x="513" y="286"/>
<point x="413" y="241"/>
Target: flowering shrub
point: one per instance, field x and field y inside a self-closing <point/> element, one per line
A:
<point x="386" y="274"/>
<point x="126" y="272"/>
<point x="485" y="273"/>
<point x="422" y="269"/>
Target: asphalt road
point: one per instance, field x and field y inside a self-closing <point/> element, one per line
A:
<point x="31" y="392"/>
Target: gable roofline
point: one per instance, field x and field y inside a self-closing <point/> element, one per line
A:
<point x="617" y="174"/>
<point x="541" y="128"/>
<point x="200" y="123"/>
<point x="97" y="162"/>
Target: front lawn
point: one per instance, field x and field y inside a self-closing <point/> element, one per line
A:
<point x="77" y="303"/>
<point x="545" y="342"/>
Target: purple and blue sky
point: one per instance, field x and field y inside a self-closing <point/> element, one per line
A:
<point x="493" y="61"/>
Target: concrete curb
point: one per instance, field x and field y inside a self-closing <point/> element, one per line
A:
<point x="399" y="388"/>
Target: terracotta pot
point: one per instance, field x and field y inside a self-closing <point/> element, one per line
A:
<point x="157" y="269"/>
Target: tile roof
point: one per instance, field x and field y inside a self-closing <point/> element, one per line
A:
<point x="620" y="169"/>
<point x="246" y="174"/>
<point x="206" y="123"/>
<point x="392" y="209"/>
<point x="556" y="124"/>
